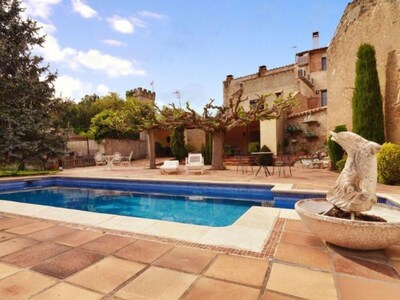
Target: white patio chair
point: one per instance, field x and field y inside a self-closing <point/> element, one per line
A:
<point x="194" y="163"/>
<point x="116" y="160"/>
<point x="126" y="160"/>
<point x="170" y="166"/>
<point x="98" y="158"/>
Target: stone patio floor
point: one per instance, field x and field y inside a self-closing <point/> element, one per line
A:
<point x="49" y="260"/>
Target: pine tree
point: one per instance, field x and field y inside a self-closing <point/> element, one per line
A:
<point x="368" y="118"/>
<point x="28" y="111"/>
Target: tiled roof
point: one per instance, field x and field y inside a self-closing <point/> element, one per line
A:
<point x="306" y="112"/>
<point x="268" y="70"/>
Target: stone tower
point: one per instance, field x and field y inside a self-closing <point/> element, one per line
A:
<point x="142" y="95"/>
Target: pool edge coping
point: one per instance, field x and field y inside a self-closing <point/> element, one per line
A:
<point x="234" y="231"/>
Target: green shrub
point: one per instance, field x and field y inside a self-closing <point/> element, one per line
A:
<point x="389" y="164"/>
<point x="253" y="147"/>
<point x="190" y="148"/>
<point x="340" y="163"/>
<point x="336" y="151"/>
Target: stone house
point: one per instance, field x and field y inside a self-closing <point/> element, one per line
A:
<point x="306" y="80"/>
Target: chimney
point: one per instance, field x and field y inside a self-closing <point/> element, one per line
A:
<point x="228" y="80"/>
<point x="262" y="70"/>
<point x="315" y="39"/>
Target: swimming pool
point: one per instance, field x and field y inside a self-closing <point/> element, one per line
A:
<point x="197" y="210"/>
<point x="211" y="204"/>
<point x="184" y="202"/>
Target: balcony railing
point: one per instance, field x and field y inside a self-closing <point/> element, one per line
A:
<point x="303" y="75"/>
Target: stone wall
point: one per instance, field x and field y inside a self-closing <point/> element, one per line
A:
<point x="308" y="121"/>
<point x="110" y="146"/>
<point x="162" y="137"/>
<point x="274" y="80"/>
<point x="196" y="137"/>
<point x="80" y="148"/>
<point x="366" y="21"/>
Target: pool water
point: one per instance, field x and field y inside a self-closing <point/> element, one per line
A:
<point x="211" y="204"/>
<point x="200" y="210"/>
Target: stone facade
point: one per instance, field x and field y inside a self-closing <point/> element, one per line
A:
<point x="82" y="147"/>
<point x="305" y="80"/>
<point x="110" y="146"/>
<point x="142" y="95"/>
<point x="376" y="22"/>
<point x="306" y="131"/>
<point x="196" y="137"/>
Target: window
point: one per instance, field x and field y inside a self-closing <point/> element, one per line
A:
<point x="253" y="104"/>
<point x="323" y="64"/>
<point x="324" y="97"/>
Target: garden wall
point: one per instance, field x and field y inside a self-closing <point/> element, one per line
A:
<point x="109" y="146"/>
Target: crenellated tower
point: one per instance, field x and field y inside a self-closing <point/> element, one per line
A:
<point x="142" y="95"/>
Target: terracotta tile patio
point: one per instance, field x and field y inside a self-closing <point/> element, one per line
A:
<point x="122" y="267"/>
<point x="53" y="260"/>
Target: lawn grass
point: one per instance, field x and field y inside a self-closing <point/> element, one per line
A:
<point x="11" y="173"/>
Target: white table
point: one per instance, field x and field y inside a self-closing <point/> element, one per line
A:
<point x="109" y="161"/>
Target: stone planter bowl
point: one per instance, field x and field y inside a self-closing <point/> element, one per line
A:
<point x="351" y="234"/>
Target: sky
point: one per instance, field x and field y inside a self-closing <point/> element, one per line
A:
<point x="189" y="46"/>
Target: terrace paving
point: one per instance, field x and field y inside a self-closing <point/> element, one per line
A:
<point x="56" y="260"/>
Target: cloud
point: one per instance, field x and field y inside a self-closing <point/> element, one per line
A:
<point x="125" y="25"/>
<point x="121" y="24"/>
<point x="83" y="9"/>
<point x="102" y="89"/>
<point x="39" y="8"/>
<point x="46" y="28"/>
<point x="112" y="65"/>
<point x="68" y="87"/>
<point x="149" y="14"/>
<point x="113" y="43"/>
<point x="137" y="22"/>
<point x="92" y="59"/>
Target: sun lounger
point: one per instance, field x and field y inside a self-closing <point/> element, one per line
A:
<point x="194" y="163"/>
<point x="170" y="166"/>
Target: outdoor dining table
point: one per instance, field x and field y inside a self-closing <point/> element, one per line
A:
<point x="255" y="155"/>
<point x="109" y="161"/>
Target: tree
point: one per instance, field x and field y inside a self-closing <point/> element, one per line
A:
<point x="78" y="116"/>
<point x="103" y="125"/>
<point x="217" y="120"/>
<point x="137" y="117"/>
<point x="81" y="114"/>
<point x="178" y="143"/>
<point x="29" y="131"/>
<point x="368" y="118"/>
<point x="111" y="112"/>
